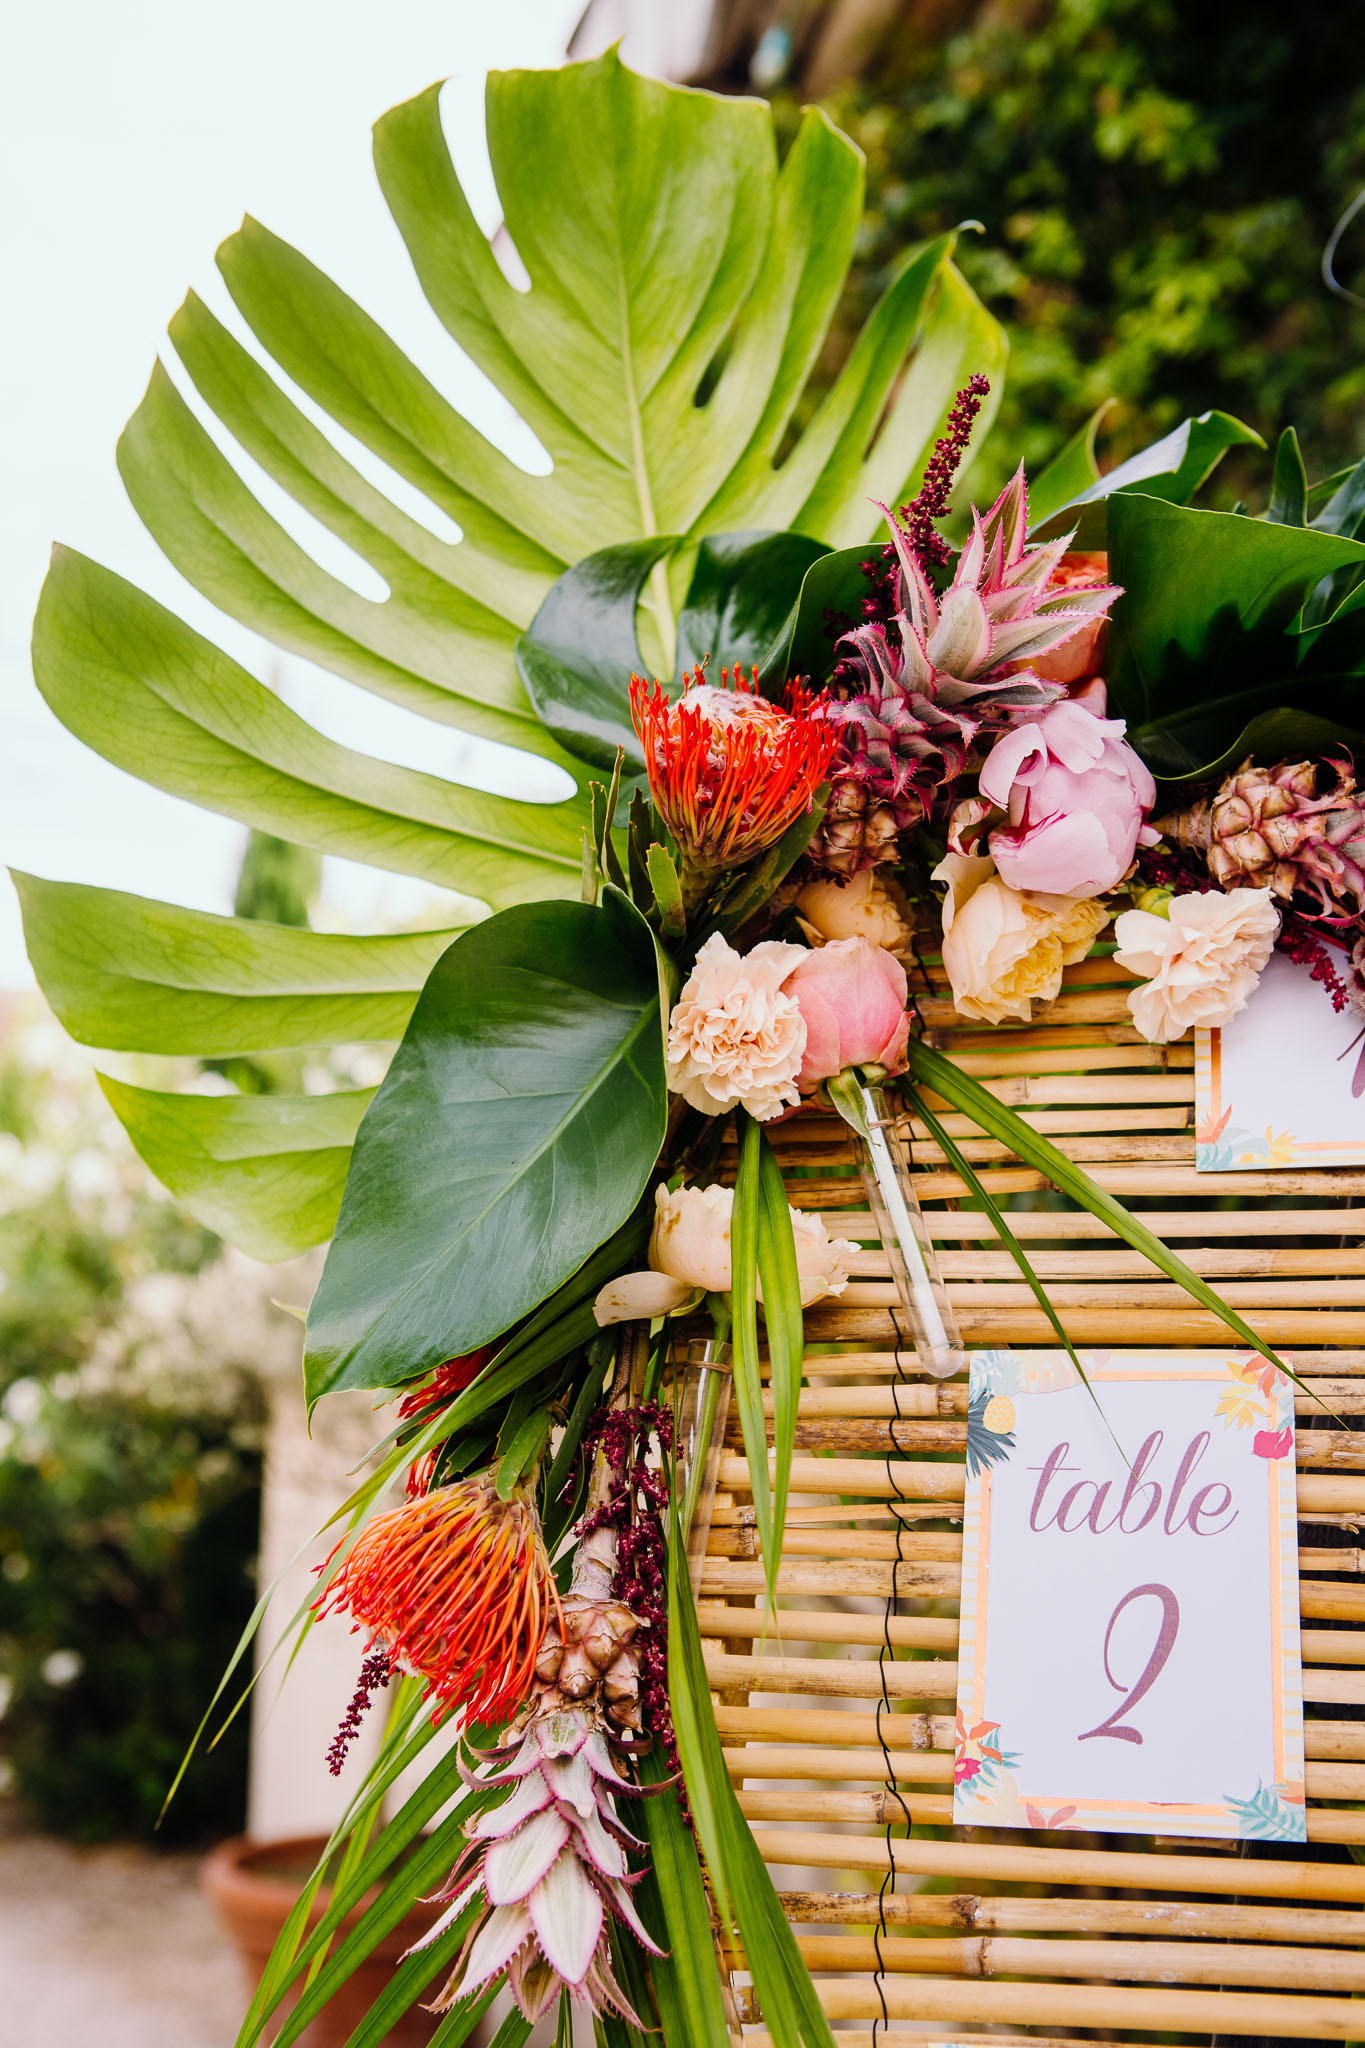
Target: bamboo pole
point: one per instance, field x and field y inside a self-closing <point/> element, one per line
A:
<point x="877" y="1809"/>
<point x="1323" y="1740"/>
<point x="983" y="1913"/>
<point x="1027" y="1863"/>
<point x="1131" y="1962"/>
<point x="862" y="1678"/>
<point x="766" y="1762"/>
<point x="1335" y="1450"/>
<point x="1084" y="2005"/>
<point x="886" y="1478"/>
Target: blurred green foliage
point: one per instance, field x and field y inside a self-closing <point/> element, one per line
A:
<point x="129" y="1477"/>
<point x="1156" y="183"/>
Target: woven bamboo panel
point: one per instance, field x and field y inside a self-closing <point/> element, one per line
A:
<point x="991" y="1932"/>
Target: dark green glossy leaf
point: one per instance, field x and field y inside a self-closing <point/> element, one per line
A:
<point x="515" y="1129"/>
<point x="803" y="644"/>
<point x="1173" y="468"/>
<point x="743" y="588"/>
<point x="1289" y="486"/>
<point x="578" y="654"/>
<point x="1208" y="598"/>
<point x="1344" y="512"/>
<point x="1181" y="749"/>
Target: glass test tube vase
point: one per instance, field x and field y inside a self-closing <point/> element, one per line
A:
<point x="885" y="1169"/>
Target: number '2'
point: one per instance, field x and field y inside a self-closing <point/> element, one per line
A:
<point x="1116" y="1730"/>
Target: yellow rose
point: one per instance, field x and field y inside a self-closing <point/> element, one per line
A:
<point x="1003" y="951"/>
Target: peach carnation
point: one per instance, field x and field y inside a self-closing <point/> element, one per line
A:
<point x="734" y="1036"/>
<point x="1201" y="961"/>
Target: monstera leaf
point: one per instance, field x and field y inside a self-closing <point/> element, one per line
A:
<point x="681" y="285"/>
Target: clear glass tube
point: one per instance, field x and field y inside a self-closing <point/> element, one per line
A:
<point x="701" y="1395"/>
<point x="885" y="1171"/>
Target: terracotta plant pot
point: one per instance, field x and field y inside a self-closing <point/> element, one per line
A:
<point x="253" y="1885"/>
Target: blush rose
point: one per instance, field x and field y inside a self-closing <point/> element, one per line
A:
<point x="852" y="996"/>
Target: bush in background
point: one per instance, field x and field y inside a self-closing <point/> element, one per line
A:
<point x="130" y="1460"/>
<point x="1156" y="183"/>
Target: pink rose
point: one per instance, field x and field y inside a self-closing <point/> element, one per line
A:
<point x="851" y="995"/>
<point x="1076" y="796"/>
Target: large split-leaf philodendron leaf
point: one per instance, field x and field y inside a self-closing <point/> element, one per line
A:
<point x="681" y="286"/>
<point x="513" y="1132"/>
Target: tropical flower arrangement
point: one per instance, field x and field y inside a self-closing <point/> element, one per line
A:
<point x="826" y="721"/>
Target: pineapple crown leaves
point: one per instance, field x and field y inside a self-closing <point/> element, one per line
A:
<point x="1000" y="606"/>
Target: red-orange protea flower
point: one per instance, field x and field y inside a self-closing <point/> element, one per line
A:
<point x="457" y="1587"/>
<point x="445" y="1383"/>
<point x="728" y="771"/>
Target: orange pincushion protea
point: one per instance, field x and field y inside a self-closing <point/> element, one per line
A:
<point x="457" y="1587"/>
<point x="728" y="771"/>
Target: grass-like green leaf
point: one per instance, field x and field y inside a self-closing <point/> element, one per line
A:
<point x="743" y="1889"/>
<point x="672" y="1899"/>
<point x="781" y="1286"/>
<point x="744" y="1235"/>
<point x="935" y="1071"/>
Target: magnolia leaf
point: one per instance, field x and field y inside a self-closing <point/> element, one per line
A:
<point x="1208" y="598"/>
<point x="578" y="654"/>
<point x="1180" y="748"/>
<point x="514" y="1131"/>
<point x="1172" y="468"/>
<point x="742" y="590"/>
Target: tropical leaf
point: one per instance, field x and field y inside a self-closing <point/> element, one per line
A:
<point x="1071" y="472"/>
<point x="1172" y="468"/>
<point x="580" y="651"/>
<point x="743" y="1888"/>
<point x="933" y="1071"/>
<point x="514" y="1131"/>
<point x="1203" y="624"/>
<point x="130" y="975"/>
<point x="681" y="286"/>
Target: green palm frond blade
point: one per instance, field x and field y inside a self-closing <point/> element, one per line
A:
<point x="933" y="1070"/>
<point x="682" y="282"/>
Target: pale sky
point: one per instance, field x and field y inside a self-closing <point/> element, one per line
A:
<point x="133" y="138"/>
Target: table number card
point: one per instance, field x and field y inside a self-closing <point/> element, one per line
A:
<point x="1129" y="1655"/>
<point x="1274" y="1087"/>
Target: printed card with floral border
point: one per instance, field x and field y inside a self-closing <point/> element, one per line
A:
<point x="1275" y="1086"/>
<point x="1129" y="1657"/>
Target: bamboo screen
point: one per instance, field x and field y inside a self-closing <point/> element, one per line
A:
<point x="979" y="1934"/>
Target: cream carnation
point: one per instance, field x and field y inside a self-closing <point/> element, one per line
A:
<point x="734" y="1036"/>
<point x="863" y="907"/>
<point x="1003" y="951"/>
<point x="689" y="1255"/>
<point x="1200" y="963"/>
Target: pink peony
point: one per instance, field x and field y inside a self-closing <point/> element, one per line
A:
<point x="1076" y="796"/>
<point x="852" y="996"/>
